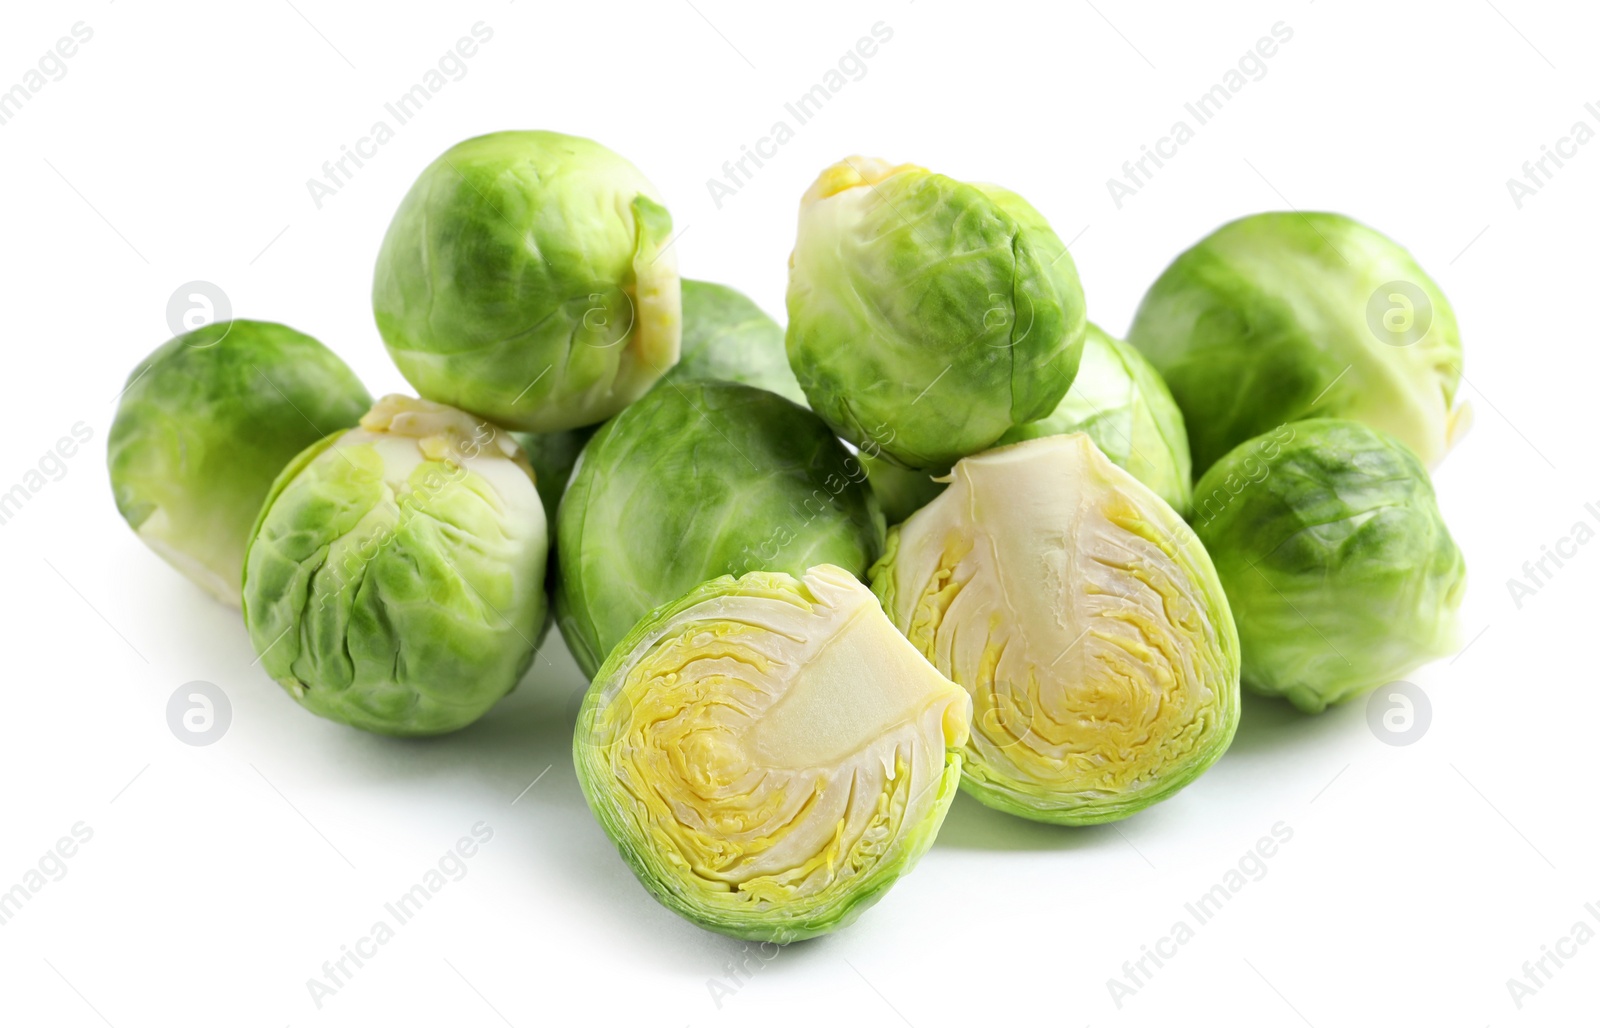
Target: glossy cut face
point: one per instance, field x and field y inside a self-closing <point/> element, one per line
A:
<point x="769" y="754"/>
<point x="525" y="278"/>
<point x="1338" y="565"/>
<point x="395" y="579"/>
<point x="696" y="480"/>
<point x="1084" y="619"/>
<point x="1283" y="316"/>
<point x="927" y="316"/>
<point x="204" y="426"/>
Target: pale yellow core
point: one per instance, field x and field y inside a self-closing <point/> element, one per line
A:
<point x="774" y="745"/>
<point x="656" y="335"/>
<point x="441" y="432"/>
<point x="1060" y="593"/>
<point x="850" y="173"/>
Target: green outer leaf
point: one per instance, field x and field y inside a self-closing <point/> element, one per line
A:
<point x="791" y="924"/>
<point x="697" y="480"/>
<point x="728" y="338"/>
<point x="928" y="316"/>
<point x="401" y="606"/>
<point x="1339" y="568"/>
<point x="1266" y="320"/>
<point x="205" y="424"/>
<point x="523" y="278"/>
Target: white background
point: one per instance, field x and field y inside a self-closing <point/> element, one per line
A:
<point x="220" y="878"/>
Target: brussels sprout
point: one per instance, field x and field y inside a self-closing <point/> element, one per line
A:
<point x="1085" y="620"/>
<point x="1340" y="571"/>
<point x="205" y="424"/>
<point x="696" y="480"/>
<point x="1283" y="316"/>
<point x="1120" y="402"/>
<point x="395" y="578"/>
<point x="770" y="755"/>
<point x="728" y="338"/>
<point x="928" y="316"/>
<point x="524" y="278"/>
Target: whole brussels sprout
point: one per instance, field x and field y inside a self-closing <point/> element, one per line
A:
<point x="206" y="423"/>
<point x="1085" y="620"/>
<point x="1122" y="404"/>
<point x="1339" y="568"/>
<point x="769" y="754"/>
<point x="728" y="338"/>
<point x="696" y="480"/>
<point x="395" y="579"/>
<point x="1282" y="316"/>
<point x="524" y="278"/>
<point x="928" y="316"/>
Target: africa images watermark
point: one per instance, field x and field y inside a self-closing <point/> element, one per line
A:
<point x="1399" y="713"/>
<point x="51" y="467"/>
<point x="1252" y="67"/>
<point x="1251" y="867"/>
<point x="51" y="67"/>
<point x="741" y="969"/>
<point x="1538" y="572"/>
<point x="199" y="713"/>
<point x="1538" y="973"/>
<point x="452" y="67"/>
<point x="450" y="867"/>
<point x="51" y="867"/>
<point x="1537" y="173"/>
<point x="736" y="173"/>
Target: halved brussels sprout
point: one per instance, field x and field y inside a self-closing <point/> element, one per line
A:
<point x="1085" y="620"/>
<point x="206" y="423"/>
<point x="1340" y="570"/>
<point x="696" y="480"/>
<point x="770" y="755"/>
<point x="525" y="279"/>
<point x="728" y="338"/>
<point x="395" y="580"/>
<point x="1282" y="316"/>
<point x="1121" y="403"/>
<point x="928" y="316"/>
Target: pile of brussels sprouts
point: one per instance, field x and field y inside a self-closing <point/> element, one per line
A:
<point x="940" y="532"/>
